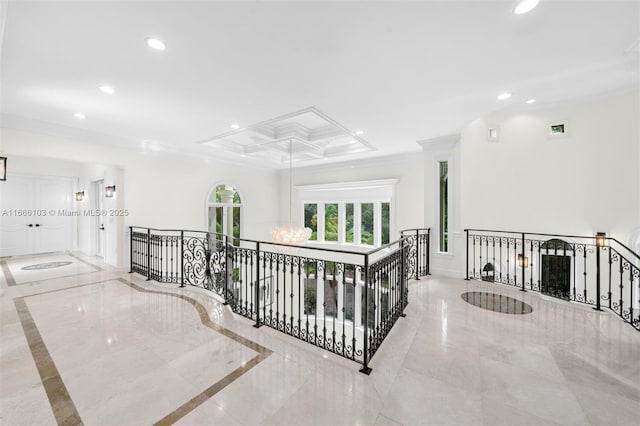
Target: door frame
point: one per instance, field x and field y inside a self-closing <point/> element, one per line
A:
<point x="96" y="201"/>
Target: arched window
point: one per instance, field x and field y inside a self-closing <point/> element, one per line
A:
<point x="224" y="211"/>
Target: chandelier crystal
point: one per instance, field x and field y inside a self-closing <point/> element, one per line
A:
<point x="290" y="234"/>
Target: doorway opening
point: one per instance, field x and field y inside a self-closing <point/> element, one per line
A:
<point x="556" y="268"/>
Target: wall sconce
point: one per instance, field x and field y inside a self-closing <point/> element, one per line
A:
<point x="80" y="196"/>
<point x="601" y="239"/>
<point x="523" y="261"/>
<point x="109" y="190"/>
<point x="3" y="168"/>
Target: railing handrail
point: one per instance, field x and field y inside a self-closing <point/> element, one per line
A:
<point x="636" y="255"/>
<point x="248" y="240"/>
<point x="414" y="229"/>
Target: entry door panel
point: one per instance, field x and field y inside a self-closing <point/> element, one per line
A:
<point x="35" y="215"/>
<point x="54" y="231"/>
<point x="16" y="237"/>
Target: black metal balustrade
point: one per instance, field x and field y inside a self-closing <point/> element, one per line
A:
<point x="599" y="271"/>
<point x="342" y="301"/>
<point x="419" y="243"/>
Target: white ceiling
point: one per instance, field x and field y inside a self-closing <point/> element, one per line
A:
<point x="400" y="71"/>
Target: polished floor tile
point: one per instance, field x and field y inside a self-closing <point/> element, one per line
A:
<point x="93" y="345"/>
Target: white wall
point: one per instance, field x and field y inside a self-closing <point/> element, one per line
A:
<point x="585" y="182"/>
<point x="409" y="203"/>
<point x="155" y="189"/>
<point x="579" y="184"/>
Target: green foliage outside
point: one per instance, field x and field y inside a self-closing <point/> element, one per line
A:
<point x="309" y="300"/>
<point x="366" y="228"/>
<point x="311" y="220"/>
<point x="331" y="222"/>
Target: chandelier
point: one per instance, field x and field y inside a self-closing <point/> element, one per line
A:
<point x="290" y="234"/>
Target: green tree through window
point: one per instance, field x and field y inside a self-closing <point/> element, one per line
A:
<point x="331" y="222"/>
<point x="311" y="220"/>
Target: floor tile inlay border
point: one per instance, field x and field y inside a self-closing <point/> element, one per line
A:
<point x="8" y="276"/>
<point x="64" y="409"/>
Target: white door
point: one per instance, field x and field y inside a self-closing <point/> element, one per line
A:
<point x="36" y="215"/>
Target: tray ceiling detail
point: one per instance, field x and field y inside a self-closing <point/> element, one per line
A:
<point x="307" y="135"/>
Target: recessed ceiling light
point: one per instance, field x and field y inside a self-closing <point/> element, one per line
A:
<point x="235" y="126"/>
<point x="530" y="101"/>
<point x="154" y="43"/>
<point x="525" y="6"/>
<point x="359" y="132"/>
<point x="352" y="141"/>
<point x="79" y="116"/>
<point x="503" y="96"/>
<point x="107" y="89"/>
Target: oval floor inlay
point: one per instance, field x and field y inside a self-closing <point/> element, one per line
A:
<point x="496" y="302"/>
<point x="47" y="265"/>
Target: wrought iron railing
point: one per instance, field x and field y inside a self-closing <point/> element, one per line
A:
<point x="599" y="272"/>
<point x="342" y="301"/>
<point x="419" y="253"/>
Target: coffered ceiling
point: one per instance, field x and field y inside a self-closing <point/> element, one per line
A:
<point x="300" y="75"/>
<point x="299" y="137"/>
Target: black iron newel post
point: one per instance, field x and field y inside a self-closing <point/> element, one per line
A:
<point x="207" y="259"/>
<point x="365" y="334"/>
<point x="467" y="233"/>
<point x="597" y="308"/>
<point x="600" y="243"/>
<point x="181" y="258"/>
<point x="148" y="254"/>
<point x="524" y="264"/>
<point x="428" y="251"/>
<point x="228" y="276"/>
<point x="403" y="274"/>
<point x="417" y="254"/>
<point x="130" y="249"/>
<point x="257" y="284"/>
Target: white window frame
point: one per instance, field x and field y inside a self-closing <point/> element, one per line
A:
<point x="375" y="192"/>
<point x="436" y="202"/>
<point x="224" y="206"/>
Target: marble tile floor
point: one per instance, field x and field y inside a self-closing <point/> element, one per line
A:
<point x="104" y="347"/>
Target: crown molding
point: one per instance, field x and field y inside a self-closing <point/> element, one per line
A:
<point x="440" y="143"/>
<point x="349" y="186"/>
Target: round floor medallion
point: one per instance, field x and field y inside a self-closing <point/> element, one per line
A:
<point x="497" y="302"/>
<point x="48" y="265"/>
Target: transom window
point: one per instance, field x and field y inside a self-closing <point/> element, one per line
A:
<point x="358" y="213"/>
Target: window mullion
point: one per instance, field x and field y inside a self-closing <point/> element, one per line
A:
<point x="357" y="223"/>
<point x="377" y="220"/>
<point x="342" y="222"/>
<point x="321" y="229"/>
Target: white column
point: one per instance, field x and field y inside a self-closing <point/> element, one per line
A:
<point x="227" y="197"/>
<point x="377" y="221"/>
<point x="357" y="311"/>
<point x="342" y="219"/>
